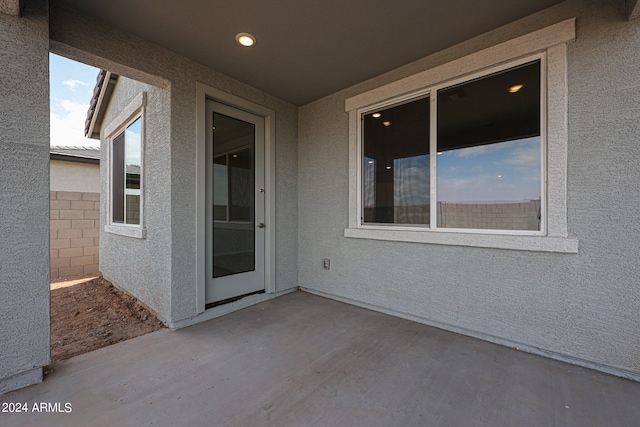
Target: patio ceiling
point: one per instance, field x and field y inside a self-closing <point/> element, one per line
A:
<point x="306" y="49"/>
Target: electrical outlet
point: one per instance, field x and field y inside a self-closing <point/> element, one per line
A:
<point x="326" y="264"/>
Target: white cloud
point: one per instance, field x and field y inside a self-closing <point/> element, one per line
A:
<point x="487" y="188"/>
<point x="67" y="125"/>
<point x="525" y="156"/>
<point x="478" y="150"/>
<point x="73" y="84"/>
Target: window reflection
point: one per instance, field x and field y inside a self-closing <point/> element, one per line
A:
<point x="396" y="164"/>
<point x="411" y="190"/>
<point x="488" y="166"/>
<point x="493" y="186"/>
<point x="126" y="174"/>
<point x="132" y="167"/>
<point x="489" y="152"/>
<point x="220" y="188"/>
<point x="233" y="196"/>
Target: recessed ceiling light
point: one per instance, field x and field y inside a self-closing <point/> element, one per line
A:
<point x="370" y="162"/>
<point x="245" y="39"/>
<point x="439" y="153"/>
<point x="515" y="88"/>
<point x="376" y="115"/>
<point x="388" y="167"/>
<point x="386" y="123"/>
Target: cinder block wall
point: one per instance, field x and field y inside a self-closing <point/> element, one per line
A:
<point x="75" y="233"/>
<point x="495" y="216"/>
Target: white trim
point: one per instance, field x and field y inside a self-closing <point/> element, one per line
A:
<point x="127" y="115"/>
<point x="203" y="92"/>
<point x="557" y="141"/>
<point x="132" y="112"/>
<point x="548" y="45"/>
<point x="496" y="241"/>
<point x="126" y="230"/>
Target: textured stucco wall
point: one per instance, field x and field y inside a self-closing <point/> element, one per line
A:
<point x="97" y="44"/>
<point x="24" y="196"/>
<point x="584" y="306"/>
<point x="142" y="266"/>
<point x="74" y="176"/>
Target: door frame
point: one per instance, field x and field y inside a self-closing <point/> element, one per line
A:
<point x="204" y="92"/>
<point x="246" y="282"/>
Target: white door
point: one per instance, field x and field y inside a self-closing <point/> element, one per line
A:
<point x="235" y="252"/>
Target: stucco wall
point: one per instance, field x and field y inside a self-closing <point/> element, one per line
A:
<point x="585" y="306"/>
<point x="74" y="176"/>
<point x="24" y="198"/>
<point x="142" y="266"/>
<point x="171" y="263"/>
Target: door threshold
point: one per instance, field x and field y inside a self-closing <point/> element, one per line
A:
<point x="230" y="300"/>
<point x="222" y="310"/>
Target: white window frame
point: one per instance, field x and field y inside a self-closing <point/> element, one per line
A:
<point x="548" y="44"/>
<point x="134" y="111"/>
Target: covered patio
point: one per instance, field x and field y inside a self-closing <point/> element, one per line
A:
<point x="303" y="360"/>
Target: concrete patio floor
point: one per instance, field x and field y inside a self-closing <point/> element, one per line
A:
<point x="303" y="360"/>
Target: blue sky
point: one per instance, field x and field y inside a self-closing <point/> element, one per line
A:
<point x="508" y="171"/>
<point x="71" y="88"/>
<point x="493" y="173"/>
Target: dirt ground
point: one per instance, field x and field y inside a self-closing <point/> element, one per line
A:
<point x="94" y="314"/>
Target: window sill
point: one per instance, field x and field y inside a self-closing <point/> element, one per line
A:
<point x="495" y="241"/>
<point x="126" y="230"/>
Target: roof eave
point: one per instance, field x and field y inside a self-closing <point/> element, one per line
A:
<point x="99" y="101"/>
<point x="76" y="159"/>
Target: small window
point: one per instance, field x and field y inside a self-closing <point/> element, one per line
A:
<point x="478" y="140"/>
<point x="126" y="174"/>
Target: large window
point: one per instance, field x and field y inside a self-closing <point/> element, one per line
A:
<point x="487" y="165"/>
<point x="469" y="153"/>
<point x="126" y="167"/>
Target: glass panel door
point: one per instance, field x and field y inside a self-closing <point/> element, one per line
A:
<point x="235" y="216"/>
<point x="233" y="201"/>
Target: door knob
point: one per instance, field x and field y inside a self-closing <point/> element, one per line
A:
<point x="261" y="225"/>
